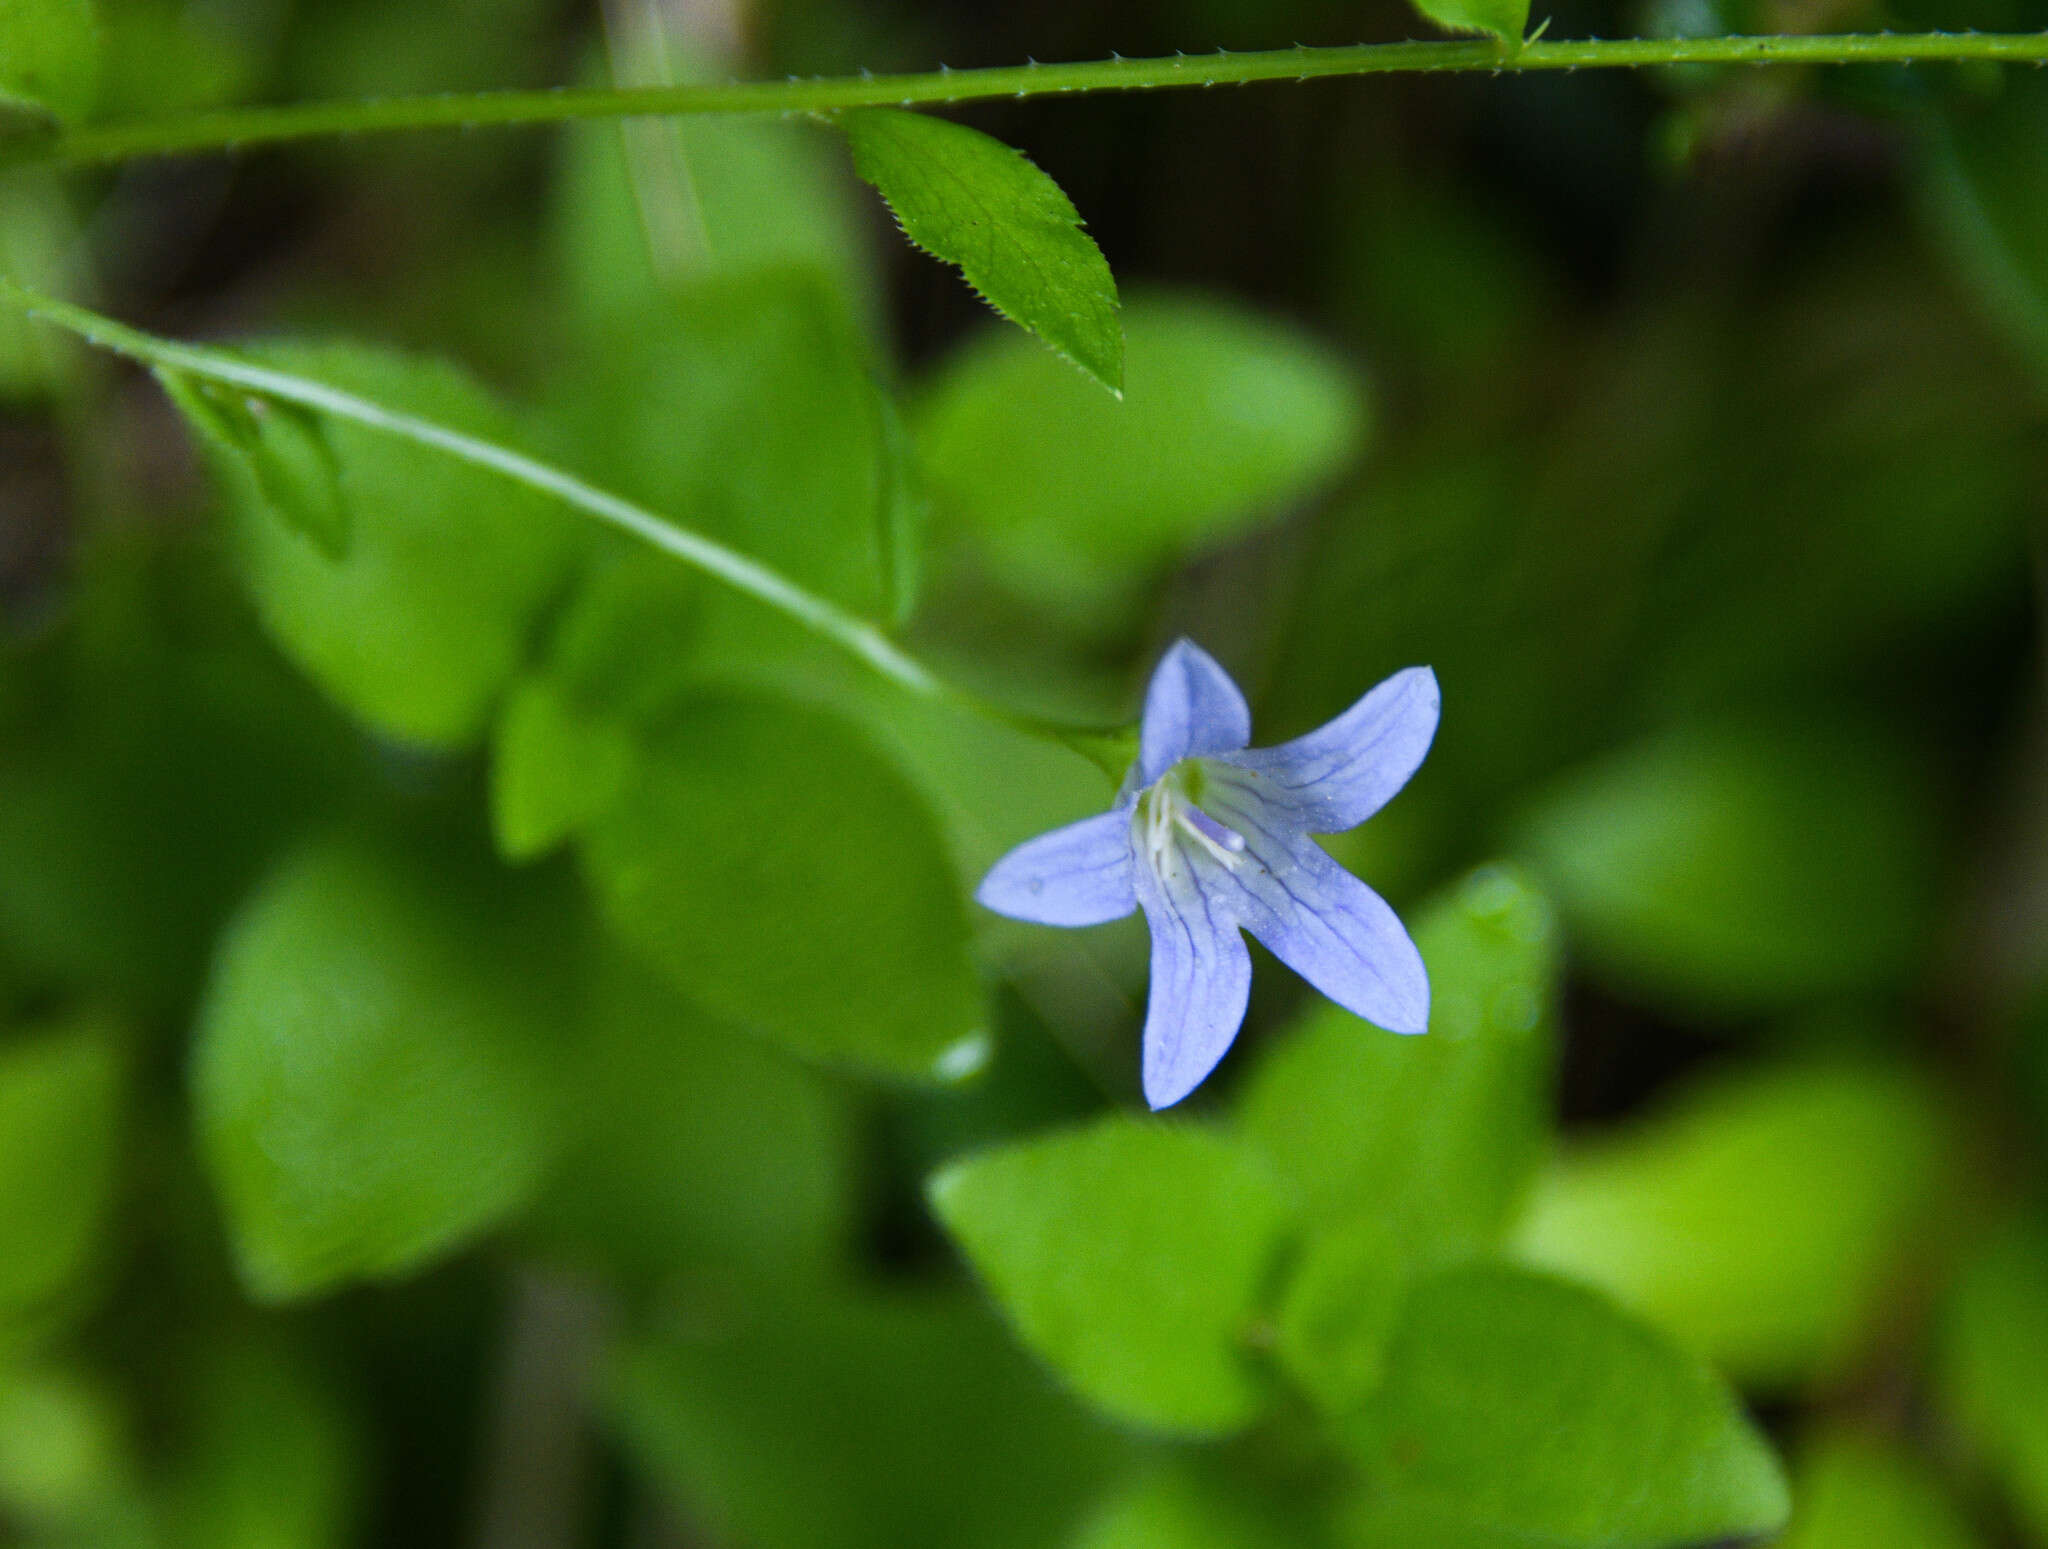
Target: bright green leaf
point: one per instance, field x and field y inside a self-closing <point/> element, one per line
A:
<point x="1767" y="1220"/>
<point x="898" y="1423"/>
<point x="699" y="1150"/>
<point x="50" y="54"/>
<point x="973" y="202"/>
<point x="1502" y="19"/>
<point x="1852" y="1491"/>
<point x="1183" y="1508"/>
<point x="414" y="613"/>
<point x="1743" y="868"/>
<point x="1338" y="1311"/>
<point x="1435" y="1137"/>
<point x="1993" y="1352"/>
<point x="60" y="1137"/>
<point x="783" y="874"/>
<point x="1132" y="1256"/>
<point x="373" y="1080"/>
<point x="1229" y="420"/>
<point x="1519" y="1410"/>
<point x="554" y="768"/>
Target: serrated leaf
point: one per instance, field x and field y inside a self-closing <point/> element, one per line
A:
<point x="373" y="1078"/>
<point x="50" y="54"/>
<point x="971" y="201"/>
<point x="1436" y="1137"/>
<point x="1519" y="1410"/>
<point x="784" y="875"/>
<point x="1502" y="19"/>
<point x="60" y="1100"/>
<point x="1132" y="1256"/>
<point x="1768" y="1219"/>
<point x="419" y="621"/>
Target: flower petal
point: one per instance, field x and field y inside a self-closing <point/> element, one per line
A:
<point x="1201" y="982"/>
<point x="1191" y="709"/>
<point x="1343" y="772"/>
<point x="1317" y="918"/>
<point x="1077" y="875"/>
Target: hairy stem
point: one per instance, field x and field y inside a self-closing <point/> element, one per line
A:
<point x="233" y="128"/>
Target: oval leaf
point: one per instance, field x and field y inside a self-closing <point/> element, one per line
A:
<point x="783" y="874"/>
<point x="973" y="202"/>
<point x="1131" y="1256"/>
<point x="371" y="1081"/>
<point x="1524" y="1407"/>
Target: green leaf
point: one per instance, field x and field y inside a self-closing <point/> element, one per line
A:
<point x="1502" y="19"/>
<point x="554" y="767"/>
<point x="1229" y="420"/>
<point x="1993" y="1350"/>
<point x="1342" y="1300"/>
<point x="373" y="1081"/>
<point x="1856" y="1491"/>
<point x="1740" y="868"/>
<point x="747" y="406"/>
<point x="1132" y="1256"/>
<point x="699" y="1150"/>
<point x="283" y="449"/>
<point x="1183" y="1508"/>
<point x="64" y="1463"/>
<point x="265" y="1455"/>
<point x="60" y="1135"/>
<point x="50" y="54"/>
<point x="409" y="599"/>
<point x="783" y="874"/>
<point x="1769" y="1219"/>
<point x="1518" y="1410"/>
<point x="870" y="1423"/>
<point x="1433" y="1137"/>
<point x="973" y="202"/>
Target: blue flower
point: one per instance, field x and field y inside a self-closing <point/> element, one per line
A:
<point x="1210" y="837"/>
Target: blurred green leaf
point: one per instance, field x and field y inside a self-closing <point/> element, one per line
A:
<point x="747" y="406"/>
<point x="50" y="54"/>
<point x="1338" y="1311"/>
<point x="868" y="1423"/>
<point x="1502" y="19"/>
<point x="1185" y="1508"/>
<point x="1769" y="1219"/>
<point x="284" y="450"/>
<point x="973" y="202"/>
<point x="36" y="230"/>
<point x="1741" y="868"/>
<point x="374" y="1078"/>
<point x="60" y="1140"/>
<point x="166" y="56"/>
<point x="1434" y="1137"/>
<point x="1987" y="194"/>
<point x="1993" y="1350"/>
<point x="1132" y="1256"/>
<point x="1228" y="419"/>
<point x="418" y="623"/>
<point x="554" y="768"/>
<point x="266" y="1458"/>
<point x="65" y="1467"/>
<point x="1519" y="1410"/>
<point x="641" y="210"/>
<point x="1852" y="1491"/>
<point x="783" y="874"/>
<point x="699" y="1150"/>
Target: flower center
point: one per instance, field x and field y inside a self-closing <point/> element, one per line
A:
<point x="1167" y="810"/>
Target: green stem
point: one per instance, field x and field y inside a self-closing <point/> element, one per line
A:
<point x="235" y="128"/>
<point x="827" y="620"/>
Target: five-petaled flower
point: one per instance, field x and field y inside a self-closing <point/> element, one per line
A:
<point x="1210" y="837"/>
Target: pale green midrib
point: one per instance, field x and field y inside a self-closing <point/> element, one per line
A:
<point x="733" y="568"/>
<point x="229" y="128"/>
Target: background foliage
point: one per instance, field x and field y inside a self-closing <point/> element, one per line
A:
<point x="494" y="1042"/>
